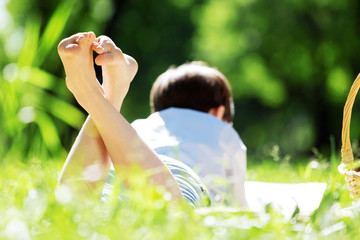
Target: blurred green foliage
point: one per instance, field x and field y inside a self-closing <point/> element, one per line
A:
<point x="37" y="114"/>
<point x="30" y="104"/>
<point x="290" y="64"/>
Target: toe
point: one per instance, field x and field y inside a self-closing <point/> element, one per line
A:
<point x="82" y="39"/>
<point x="106" y="43"/>
<point x="98" y="48"/>
<point x="86" y="38"/>
<point x="106" y="58"/>
<point x="67" y="41"/>
<point x="92" y="35"/>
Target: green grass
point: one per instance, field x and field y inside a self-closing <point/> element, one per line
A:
<point x="32" y="207"/>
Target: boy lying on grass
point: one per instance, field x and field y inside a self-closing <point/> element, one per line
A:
<point x="192" y="111"/>
<point x="106" y="137"/>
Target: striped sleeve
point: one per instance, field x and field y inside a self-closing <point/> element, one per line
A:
<point x="191" y="186"/>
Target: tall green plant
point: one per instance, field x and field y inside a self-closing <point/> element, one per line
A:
<point x="30" y="108"/>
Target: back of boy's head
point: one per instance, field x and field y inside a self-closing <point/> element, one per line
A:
<point x="192" y="85"/>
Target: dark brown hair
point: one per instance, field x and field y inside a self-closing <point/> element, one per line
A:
<point x="192" y="85"/>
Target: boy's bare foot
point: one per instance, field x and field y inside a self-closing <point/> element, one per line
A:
<point x="118" y="69"/>
<point x="77" y="57"/>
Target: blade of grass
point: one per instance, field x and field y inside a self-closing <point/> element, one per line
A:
<point x="63" y="111"/>
<point x="53" y="30"/>
<point x="48" y="131"/>
<point x="30" y="45"/>
<point x="40" y="78"/>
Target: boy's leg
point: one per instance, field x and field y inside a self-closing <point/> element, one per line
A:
<point x="89" y="157"/>
<point x="121" y="141"/>
<point x="118" y="70"/>
<point x="88" y="162"/>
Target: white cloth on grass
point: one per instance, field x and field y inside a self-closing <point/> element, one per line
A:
<point x="284" y="197"/>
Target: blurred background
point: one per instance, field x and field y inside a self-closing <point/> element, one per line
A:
<point x="290" y="63"/>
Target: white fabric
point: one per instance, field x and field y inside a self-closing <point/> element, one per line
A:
<point x="284" y="197"/>
<point x="212" y="148"/>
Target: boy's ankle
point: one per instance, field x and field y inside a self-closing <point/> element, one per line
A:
<point x="116" y="98"/>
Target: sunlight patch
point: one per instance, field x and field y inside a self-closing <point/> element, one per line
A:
<point x="10" y="72"/>
<point x="17" y="229"/>
<point x="63" y="194"/>
<point x="26" y="114"/>
<point x="4" y="16"/>
<point x="14" y="43"/>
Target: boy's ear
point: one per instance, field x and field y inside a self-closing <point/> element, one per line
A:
<point x="218" y="111"/>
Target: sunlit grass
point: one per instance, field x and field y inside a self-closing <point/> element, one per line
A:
<point x="32" y="207"/>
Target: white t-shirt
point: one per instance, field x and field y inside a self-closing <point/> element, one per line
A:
<point x="209" y="146"/>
